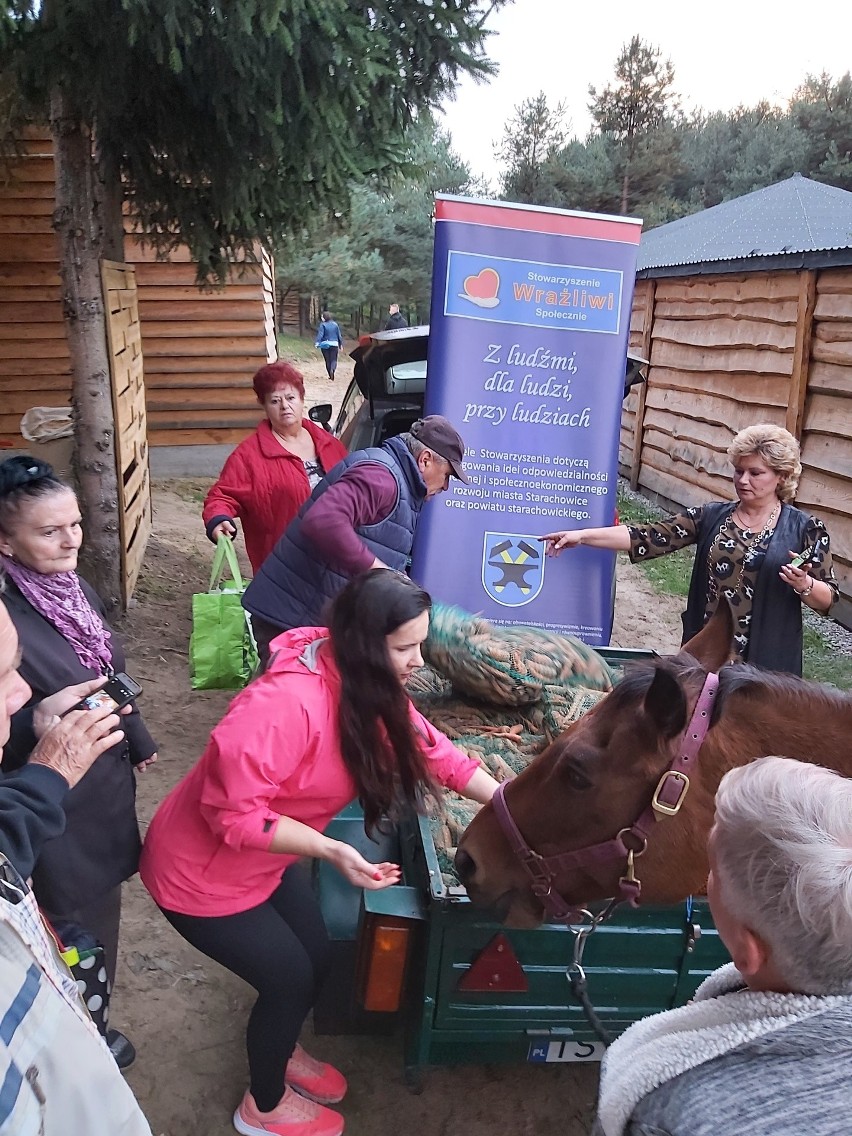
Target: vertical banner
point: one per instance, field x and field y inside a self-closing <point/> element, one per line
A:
<point x="529" y="328"/>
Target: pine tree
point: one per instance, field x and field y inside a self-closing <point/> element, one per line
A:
<point x="822" y="110"/>
<point x="640" y="102"/>
<point x="531" y="137"/>
<point x="221" y="122"/>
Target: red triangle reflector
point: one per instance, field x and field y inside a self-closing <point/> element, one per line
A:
<point x="496" y="967"/>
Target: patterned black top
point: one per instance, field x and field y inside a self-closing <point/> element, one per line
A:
<point x="735" y="559"/>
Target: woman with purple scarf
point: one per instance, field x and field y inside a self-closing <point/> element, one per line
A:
<point x="65" y="639"/>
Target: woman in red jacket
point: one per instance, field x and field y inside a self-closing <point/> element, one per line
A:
<point x="270" y="474"/>
<point x="328" y="722"/>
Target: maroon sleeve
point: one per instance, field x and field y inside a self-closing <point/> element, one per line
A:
<point x="364" y="495"/>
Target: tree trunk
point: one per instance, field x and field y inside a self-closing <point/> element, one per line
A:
<point x="81" y="225"/>
<point x="625" y="192"/>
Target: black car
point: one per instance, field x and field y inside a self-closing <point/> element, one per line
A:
<point x="387" y="391"/>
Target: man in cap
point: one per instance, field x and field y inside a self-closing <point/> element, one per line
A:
<point x="362" y="515"/>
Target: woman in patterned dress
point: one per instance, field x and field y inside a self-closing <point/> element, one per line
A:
<point x="745" y="550"/>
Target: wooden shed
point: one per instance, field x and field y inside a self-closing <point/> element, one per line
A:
<point x="745" y="312"/>
<point x="199" y="348"/>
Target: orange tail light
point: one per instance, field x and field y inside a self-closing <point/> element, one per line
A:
<point x="381" y="966"/>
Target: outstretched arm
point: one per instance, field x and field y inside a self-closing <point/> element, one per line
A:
<point x="616" y="538"/>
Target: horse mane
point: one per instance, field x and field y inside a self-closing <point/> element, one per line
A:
<point x="734" y="678"/>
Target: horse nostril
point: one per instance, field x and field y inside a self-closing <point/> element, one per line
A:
<point x="465" y="865"/>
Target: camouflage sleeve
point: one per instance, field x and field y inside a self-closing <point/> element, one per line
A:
<point x="661" y="537"/>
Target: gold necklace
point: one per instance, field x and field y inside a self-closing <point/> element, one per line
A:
<point x="750" y="540"/>
<point x="755" y="535"/>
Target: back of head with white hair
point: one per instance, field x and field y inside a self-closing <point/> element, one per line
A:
<point x="783" y="850"/>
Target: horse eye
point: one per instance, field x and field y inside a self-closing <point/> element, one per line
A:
<point x="575" y="778"/>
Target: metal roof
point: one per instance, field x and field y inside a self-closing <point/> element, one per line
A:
<point x="798" y="221"/>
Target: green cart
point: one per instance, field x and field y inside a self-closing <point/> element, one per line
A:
<point x="420" y="959"/>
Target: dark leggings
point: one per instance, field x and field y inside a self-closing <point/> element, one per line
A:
<point x="280" y="948"/>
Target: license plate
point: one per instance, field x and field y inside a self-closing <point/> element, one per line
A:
<point x="566" y="1049"/>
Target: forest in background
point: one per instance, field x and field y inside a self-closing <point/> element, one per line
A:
<point x="644" y="157"/>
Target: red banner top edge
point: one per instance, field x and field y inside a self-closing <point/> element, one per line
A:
<point x="559" y="224"/>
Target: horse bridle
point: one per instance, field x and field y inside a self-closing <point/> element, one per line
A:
<point x="631" y="841"/>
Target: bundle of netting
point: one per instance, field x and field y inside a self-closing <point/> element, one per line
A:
<point x="502" y="695"/>
<point x="508" y="666"/>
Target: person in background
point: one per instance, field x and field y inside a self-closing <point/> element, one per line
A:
<point x="395" y="319"/>
<point x="363" y="515"/>
<point x="58" y="1076"/>
<point x="762" y="1047"/>
<point x="329" y="340"/>
<point x="64" y="640"/>
<point x="328" y="722"/>
<point x="271" y="473"/>
<point x="745" y="551"/>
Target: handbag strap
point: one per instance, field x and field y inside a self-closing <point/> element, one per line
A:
<point x="225" y="557"/>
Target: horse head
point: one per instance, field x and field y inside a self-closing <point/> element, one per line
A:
<point x="594" y="781"/>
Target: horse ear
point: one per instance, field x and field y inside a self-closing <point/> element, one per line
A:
<point x="712" y="647"/>
<point x="665" y="703"/>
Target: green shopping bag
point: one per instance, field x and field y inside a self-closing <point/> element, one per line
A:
<point x="222" y="650"/>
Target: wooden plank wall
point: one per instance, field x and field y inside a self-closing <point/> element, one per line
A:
<point x="131" y="430"/>
<point x="728" y="352"/>
<point x="34" y="361"/>
<point x="826" y="485"/>
<point x="201" y="348"/>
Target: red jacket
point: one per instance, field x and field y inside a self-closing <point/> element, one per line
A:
<point x="275" y="753"/>
<point x="264" y="485"/>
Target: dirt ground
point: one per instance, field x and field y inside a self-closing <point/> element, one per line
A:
<point x="184" y="1013"/>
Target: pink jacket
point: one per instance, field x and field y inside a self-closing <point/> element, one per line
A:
<point x="264" y="485"/>
<point x="275" y="753"/>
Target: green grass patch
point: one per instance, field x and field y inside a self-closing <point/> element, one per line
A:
<point x="186" y="488"/>
<point x="292" y="347"/>
<point x="823" y="663"/>
<point x="669" y="575"/>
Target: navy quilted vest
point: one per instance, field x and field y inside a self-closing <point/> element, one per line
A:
<point x="293" y="585"/>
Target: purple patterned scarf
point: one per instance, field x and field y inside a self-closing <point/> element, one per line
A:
<point x="61" y="600"/>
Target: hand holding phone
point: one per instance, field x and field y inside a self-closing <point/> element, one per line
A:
<point x="118" y="691"/>
<point x="808" y="556"/>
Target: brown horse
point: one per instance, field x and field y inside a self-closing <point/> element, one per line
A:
<point x="600" y="775"/>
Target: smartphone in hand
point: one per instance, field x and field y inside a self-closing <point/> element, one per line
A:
<point x="809" y="556"/>
<point x="117" y="692"/>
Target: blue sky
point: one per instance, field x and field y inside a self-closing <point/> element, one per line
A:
<point x="724" y="53"/>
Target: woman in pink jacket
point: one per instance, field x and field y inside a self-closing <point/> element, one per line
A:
<point x="327" y="722"/>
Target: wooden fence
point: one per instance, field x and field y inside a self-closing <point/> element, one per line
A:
<point x="730" y="351"/>
<point x="131" y="430"/>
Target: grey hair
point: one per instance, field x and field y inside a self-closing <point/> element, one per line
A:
<point x="415" y="447"/>
<point x="782" y="845"/>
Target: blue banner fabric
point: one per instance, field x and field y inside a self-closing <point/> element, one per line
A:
<point x="529" y="330"/>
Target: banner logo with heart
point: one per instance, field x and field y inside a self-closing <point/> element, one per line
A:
<point x="482" y="289"/>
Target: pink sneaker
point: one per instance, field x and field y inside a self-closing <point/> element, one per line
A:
<point x="315" y="1079"/>
<point x="294" y="1115"/>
